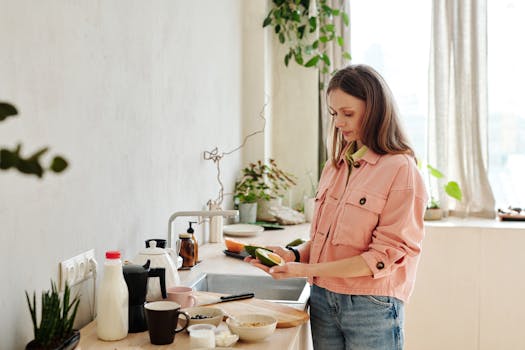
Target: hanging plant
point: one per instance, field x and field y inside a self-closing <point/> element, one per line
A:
<point x="306" y="27"/>
<point x="32" y="164"/>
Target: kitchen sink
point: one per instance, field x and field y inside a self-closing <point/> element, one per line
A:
<point x="288" y="291"/>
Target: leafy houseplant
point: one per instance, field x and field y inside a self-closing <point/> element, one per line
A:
<point x="296" y="21"/>
<point x="30" y="165"/>
<point x="451" y="188"/>
<point x="55" y="330"/>
<point x="261" y="183"/>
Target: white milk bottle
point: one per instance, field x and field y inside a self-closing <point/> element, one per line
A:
<point x="112" y="300"/>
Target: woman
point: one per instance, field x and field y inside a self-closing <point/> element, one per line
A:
<point x="367" y="228"/>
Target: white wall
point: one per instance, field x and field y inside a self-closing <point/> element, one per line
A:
<point x="132" y="93"/>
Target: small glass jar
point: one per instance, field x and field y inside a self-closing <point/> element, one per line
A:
<point x="187" y="250"/>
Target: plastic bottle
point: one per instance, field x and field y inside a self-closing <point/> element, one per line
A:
<point x="112" y="300"/>
<point x="187" y="251"/>
<point x="191" y="231"/>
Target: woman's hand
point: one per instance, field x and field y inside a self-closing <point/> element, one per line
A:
<point x="290" y="269"/>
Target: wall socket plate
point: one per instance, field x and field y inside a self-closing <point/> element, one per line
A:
<point x="77" y="269"/>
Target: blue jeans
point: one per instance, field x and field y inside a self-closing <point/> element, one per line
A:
<point x="355" y="322"/>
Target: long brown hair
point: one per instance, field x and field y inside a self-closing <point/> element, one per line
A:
<point x="381" y="129"/>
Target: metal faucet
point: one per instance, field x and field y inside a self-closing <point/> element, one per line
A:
<point x="199" y="213"/>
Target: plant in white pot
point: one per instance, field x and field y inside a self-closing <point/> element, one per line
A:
<point x="264" y="184"/>
<point x="452" y="189"/>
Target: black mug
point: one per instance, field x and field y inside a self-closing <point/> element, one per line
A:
<point x="162" y="317"/>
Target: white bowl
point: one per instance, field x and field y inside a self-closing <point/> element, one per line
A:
<point x="252" y="327"/>
<point x="213" y="315"/>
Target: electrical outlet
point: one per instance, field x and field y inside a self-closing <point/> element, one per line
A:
<point x="77" y="269"/>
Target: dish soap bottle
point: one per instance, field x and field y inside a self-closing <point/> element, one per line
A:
<point x="186" y="250"/>
<point x="191" y="231"/>
<point x="112" y="303"/>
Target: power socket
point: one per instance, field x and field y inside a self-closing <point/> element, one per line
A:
<point x="77" y="269"/>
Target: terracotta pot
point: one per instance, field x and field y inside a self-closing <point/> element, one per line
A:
<point x="67" y="344"/>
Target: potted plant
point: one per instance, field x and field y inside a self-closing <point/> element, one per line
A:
<point x="55" y="330"/>
<point x="263" y="184"/>
<point x="296" y="22"/>
<point x="452" y="189"/>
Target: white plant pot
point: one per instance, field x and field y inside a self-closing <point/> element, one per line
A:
<point x="263" y="209"/>
<point x="433" y="214"/>
<point x="247" y="213"/>
<point x="309" y="204"/>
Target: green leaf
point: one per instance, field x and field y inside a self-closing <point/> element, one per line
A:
<point x="287" y="59"/>
<point x="8" y="159"/>
<point x="7" y="110"/>
<point x="312" y="62"/>
<point x="296" y="17"/>
<point x="340" y="41"/>
<point x="277" y="28"/>
<point x="434" y="172"/>
<point x="453" y="190"/>
<point x="326" y="59"/>
<point x="298" y="57"/>
<point x="268" y="19"/>
<point x="336" y="12"/>
<point x="323" y="39"/>
<point x="327" y="9"/>
<point x="58" y="164"/>
<point x="315" y="45"/>
<point x="347" y="56"/>
<point x="346" y="19"/>
<point x="281" y="38"/>
<point x="313" y="24"/>
<point x="300" y="31"/>
<point x="328" y="28"/>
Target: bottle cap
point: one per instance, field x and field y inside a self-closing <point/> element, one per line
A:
<point x="184" y="235"/>
<point x="113" y="254"/>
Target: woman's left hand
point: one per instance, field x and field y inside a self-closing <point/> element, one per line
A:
<point x="291" y="269"/>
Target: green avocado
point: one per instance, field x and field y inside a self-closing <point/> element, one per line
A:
<point x="250" y="249"/>
<point x="268" y="258"/>
<point x="296" y="242"/>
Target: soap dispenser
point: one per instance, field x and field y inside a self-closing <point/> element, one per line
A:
<point x="191" y="231"/>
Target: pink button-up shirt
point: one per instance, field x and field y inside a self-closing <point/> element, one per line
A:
<point x="375" y="211"/>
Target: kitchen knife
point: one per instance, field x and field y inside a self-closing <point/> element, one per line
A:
<point x="223" y="299"/>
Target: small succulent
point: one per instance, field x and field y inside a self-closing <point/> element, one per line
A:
<point x="57" y="316"/>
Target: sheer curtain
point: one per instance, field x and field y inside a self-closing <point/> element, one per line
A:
<point x="458" y="103"/>
<point x="335" y="54"/>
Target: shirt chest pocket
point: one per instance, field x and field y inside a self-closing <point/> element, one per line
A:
<point x="359" y="217"/>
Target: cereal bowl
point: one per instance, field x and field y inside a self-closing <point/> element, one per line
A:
<point x="204" y="315"/>
<point x="252" y="327"/>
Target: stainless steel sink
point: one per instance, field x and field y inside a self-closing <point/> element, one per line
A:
<point x="288" y="291"/>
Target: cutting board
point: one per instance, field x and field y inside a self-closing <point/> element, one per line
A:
<point x="286" y="316"/>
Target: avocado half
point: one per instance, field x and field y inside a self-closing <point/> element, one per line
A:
<point x="250" y="249"/>
<point x="268" y="258"/>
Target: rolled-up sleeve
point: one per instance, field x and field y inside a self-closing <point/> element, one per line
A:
<point x="400" y="230"/>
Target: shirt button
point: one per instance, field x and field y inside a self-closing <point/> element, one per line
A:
<point x="362" y="201"/>
<point x="380" y="265"/>
<point x="357" y="165"/>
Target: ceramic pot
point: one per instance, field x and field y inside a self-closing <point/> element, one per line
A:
<point x="433" y="214"/>
<point x="263" y="209"/>
<point x="68" y="344"/>
<point x="247" y="213"/>
<point x="309" y="204"/>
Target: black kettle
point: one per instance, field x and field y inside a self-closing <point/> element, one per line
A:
<point x="136" y="277"/>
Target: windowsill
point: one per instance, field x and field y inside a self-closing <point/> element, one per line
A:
<point x="476" y="223"/>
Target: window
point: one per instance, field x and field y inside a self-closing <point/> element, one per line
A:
<point x="394" y="38"/>
<point x="506" y="76"/>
